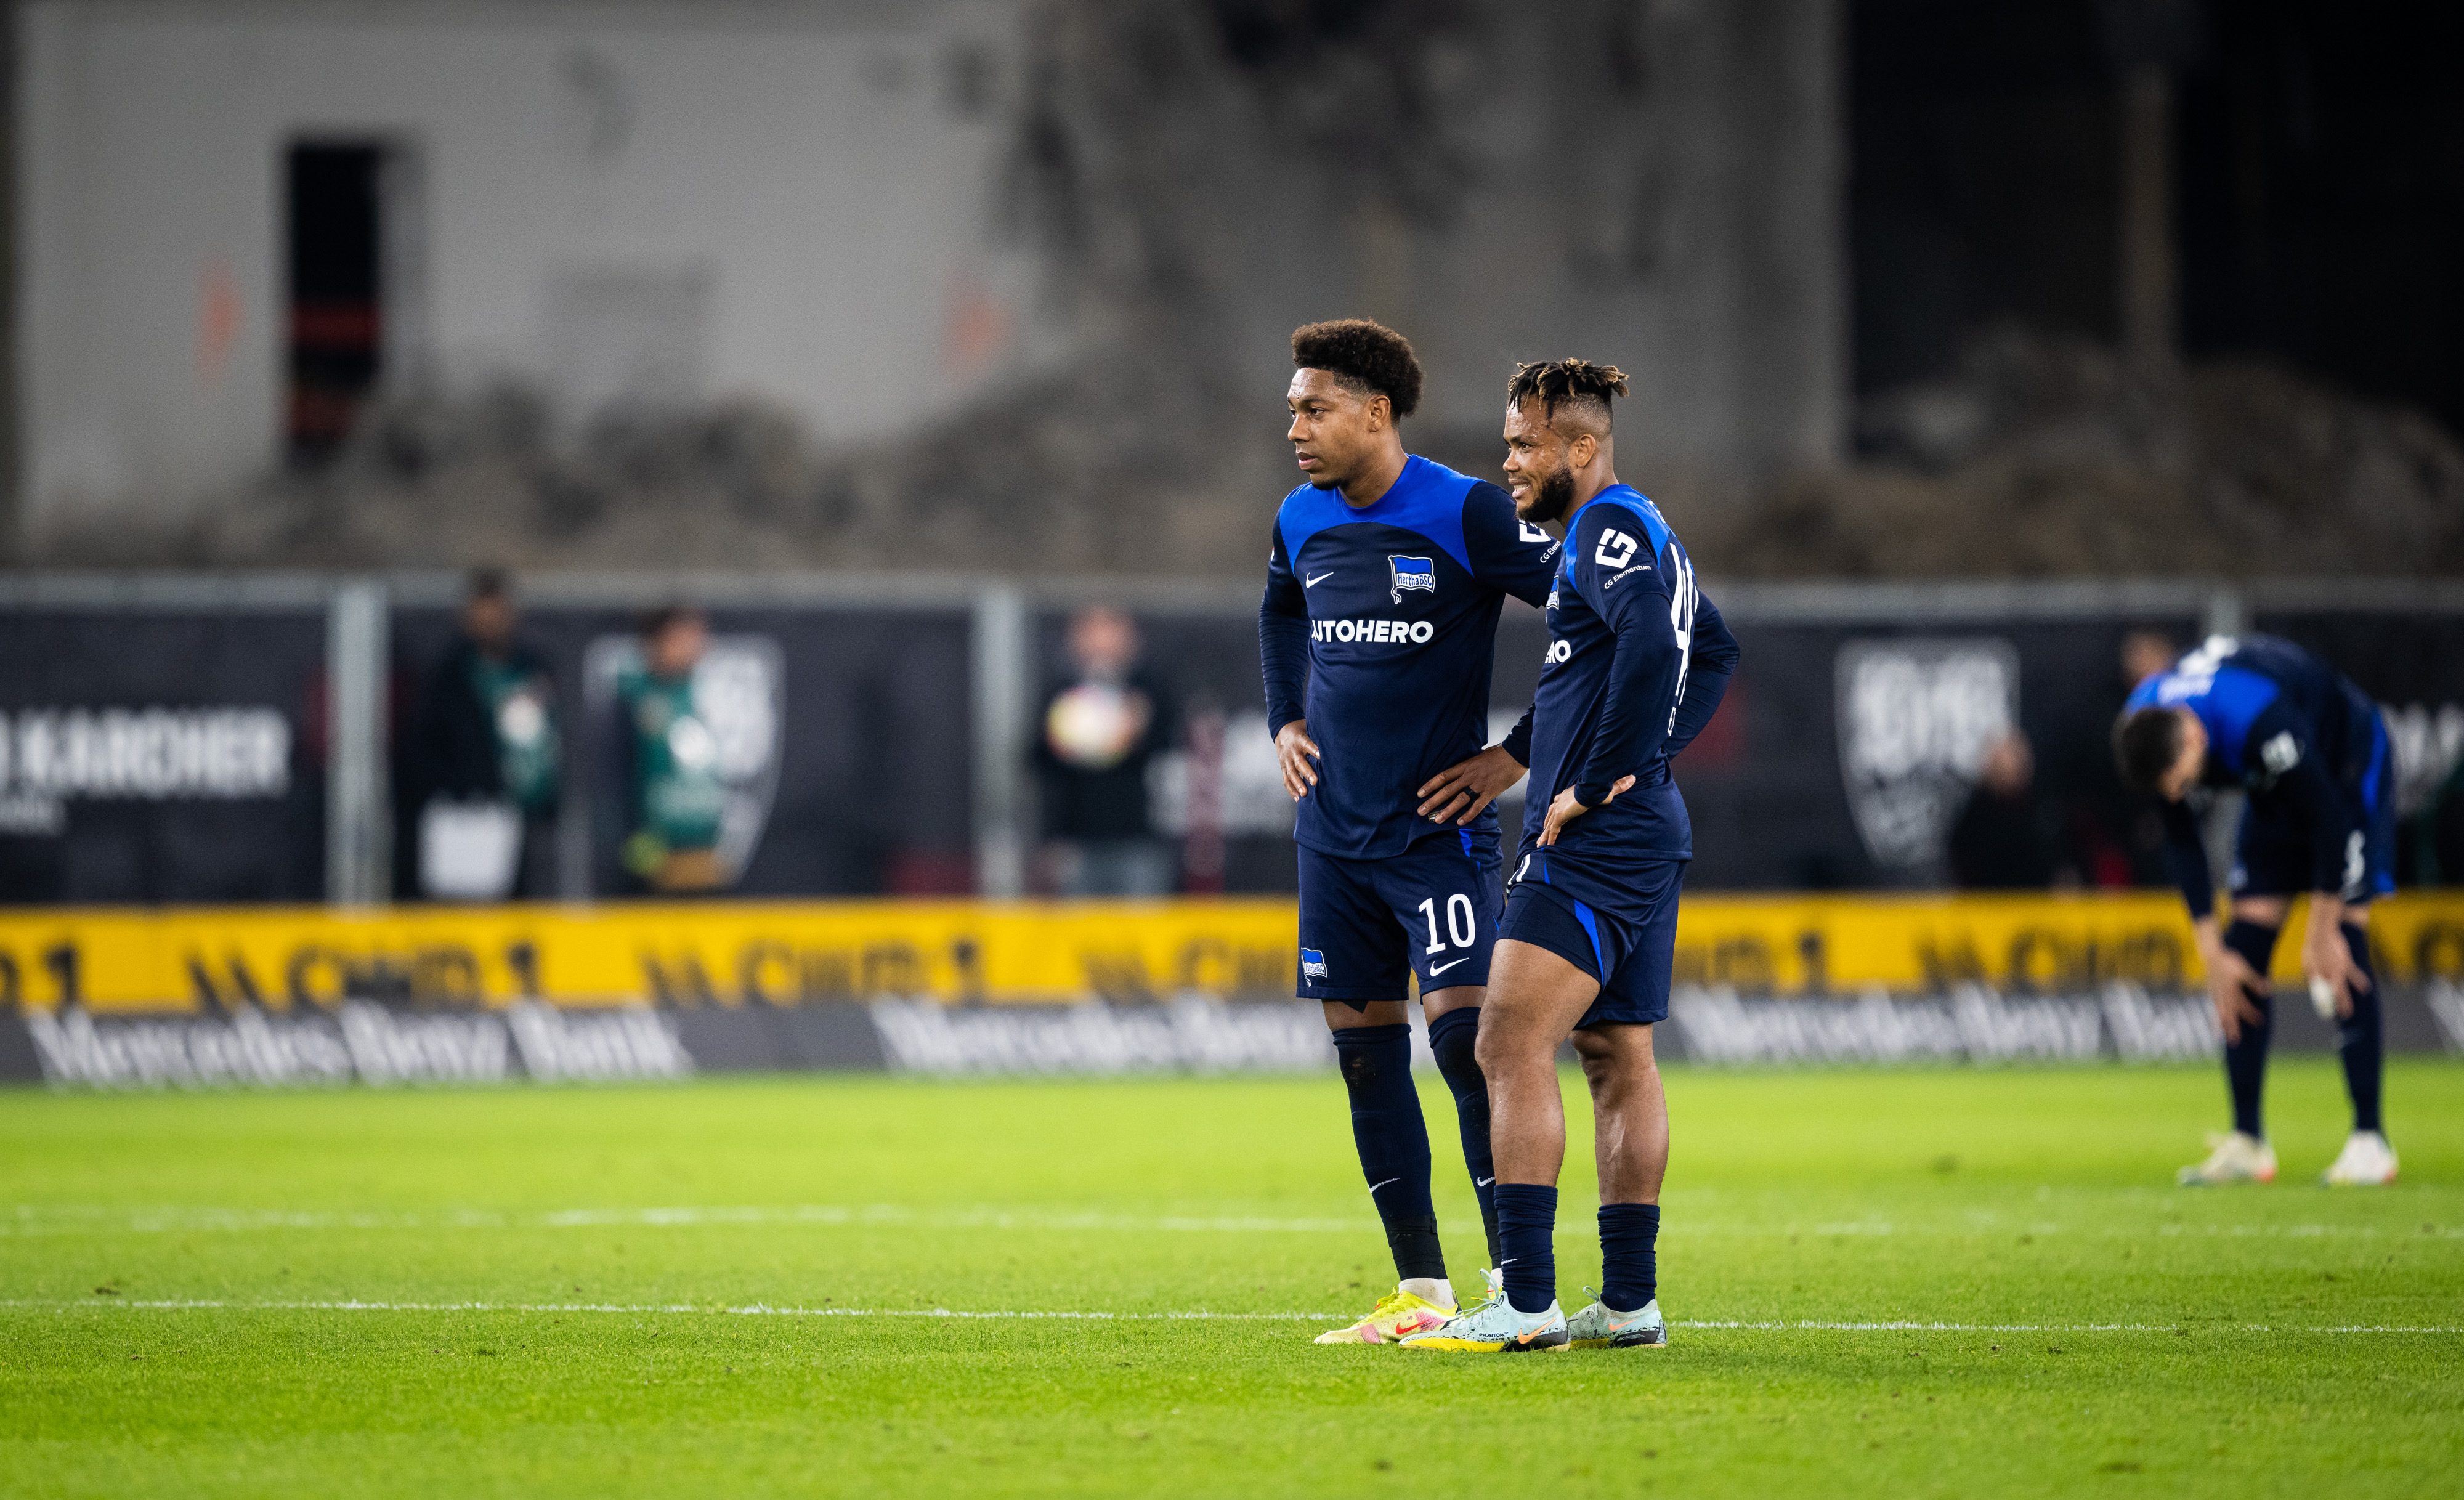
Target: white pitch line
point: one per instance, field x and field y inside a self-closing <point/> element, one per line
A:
<point x="755" y="1309"/>
<point x="30" y="1221"/>
<point x="765" y="1310"/>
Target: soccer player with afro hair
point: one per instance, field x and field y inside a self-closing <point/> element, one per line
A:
<point x="1384" y="579"/>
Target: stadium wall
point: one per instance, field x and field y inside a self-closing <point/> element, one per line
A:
<point x="550" y="992"/>
<point x="635" y="202"/>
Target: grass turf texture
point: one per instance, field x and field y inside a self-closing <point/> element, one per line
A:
<point x="1968" y="1197"/>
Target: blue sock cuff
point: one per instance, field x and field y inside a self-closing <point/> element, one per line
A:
<point x="1442" y="1031"/>
<point x="1372" y="1036"/>
<point x="1630" y="1216"/>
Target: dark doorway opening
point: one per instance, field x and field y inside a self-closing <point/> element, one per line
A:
<point x="336" y="290"/>
<point x="1984" y="185"/>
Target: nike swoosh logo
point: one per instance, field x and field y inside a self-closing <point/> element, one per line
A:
<point x="1639" y="568"/>
<point x="1436" y="969"/>
<point x="1375" y="1186"/>
<point x="1482" y="1181"/>
<point x="1312" y="582"/>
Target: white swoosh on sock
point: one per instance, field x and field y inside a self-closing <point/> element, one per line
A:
<point x="1482" y="1181"/>
<point x="1375" y="1186"/>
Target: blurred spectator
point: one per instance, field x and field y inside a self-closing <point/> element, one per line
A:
<point x="1101" y="730"/>
<point x="485" y="759"/>
<point x="2000" y="841"/>
<point x="2434" y="836"/>
<point x="669" y="758"/>
<point x="2146" y="652"/>
<point x="2112" y="838"/>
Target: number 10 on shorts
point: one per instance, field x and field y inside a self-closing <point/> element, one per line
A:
<point x="1460" y="923"/>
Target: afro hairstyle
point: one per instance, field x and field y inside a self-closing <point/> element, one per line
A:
<point x="1367" y="359"/>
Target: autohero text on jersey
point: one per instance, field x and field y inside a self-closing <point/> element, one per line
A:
<point x="1386" y="633"/>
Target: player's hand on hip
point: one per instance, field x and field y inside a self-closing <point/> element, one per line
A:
<point x="2231" y="983"/>
<point x="1563" y="809"/>
<point x="1294" y="750"/>
<point x="1463" y="790"/>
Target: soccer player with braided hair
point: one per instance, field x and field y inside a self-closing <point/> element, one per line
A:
<point x="1384" y="579"/>
<point x="1637" y="663"/>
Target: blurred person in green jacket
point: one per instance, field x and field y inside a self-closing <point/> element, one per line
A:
<point x="675" y="798"/>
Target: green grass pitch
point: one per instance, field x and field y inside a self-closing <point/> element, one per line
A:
<point x="1919" y="1282"/>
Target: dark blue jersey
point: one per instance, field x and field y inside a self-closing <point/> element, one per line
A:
<point x="1389" y="611"/>
<point x="1637" y="662"/>
<point x="2283" y="726"/>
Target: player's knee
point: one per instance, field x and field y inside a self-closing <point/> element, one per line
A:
<point x="2260" y="911"/>
<point x="1500" y="1050"/>
<point x="1454" y="1041"/>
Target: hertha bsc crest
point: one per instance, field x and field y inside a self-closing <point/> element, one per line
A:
<point x="1412" y="573"/>
<point x="1312" y="964"/>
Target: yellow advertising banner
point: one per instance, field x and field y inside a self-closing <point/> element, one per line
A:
<point x="803" y="952"/>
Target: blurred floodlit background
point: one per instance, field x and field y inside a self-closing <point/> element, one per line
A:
<point x="908" y="377"/>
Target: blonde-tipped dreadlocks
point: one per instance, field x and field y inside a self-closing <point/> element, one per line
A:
<point x="1575" y="383"/>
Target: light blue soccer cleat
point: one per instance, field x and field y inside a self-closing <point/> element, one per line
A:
<point x="1495" y="1327"/>
<point x="1601" y="1326"/>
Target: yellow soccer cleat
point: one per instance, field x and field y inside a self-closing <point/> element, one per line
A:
<point x="1495" y="1327"/>
<point x="1398" y="1316"/>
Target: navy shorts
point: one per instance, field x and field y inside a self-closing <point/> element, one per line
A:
<point x="1368" y="925"/>
<point x="1623" y="936"/>
<point x="2272" y="851"/>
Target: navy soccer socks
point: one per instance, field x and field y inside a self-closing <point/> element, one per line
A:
<point x="2360" y="1039"/>
<point x="1526" y="1224"/>
<point x="1629" y="1255"/>
<point x="1392" y="1141"/>
<point x="2246" y="1060"/>
<point x="1451" y="1037"/>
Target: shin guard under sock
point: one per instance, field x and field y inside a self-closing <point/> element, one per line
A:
<point x="2246" y="1060"/>
<point x="1527" y="1227"/>
<point x="1629" y="1255"/>
<point x="1451" y="1037"/>
<point x="2360" y="1039"/>
<point x="1392" y="1141"/>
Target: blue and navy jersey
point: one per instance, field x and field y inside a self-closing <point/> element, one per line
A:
<point x="2267" y="705"/>
<point x="1399" y="602"/>
<point x="2283" y="726"/>
<point x="1637" y="662"/>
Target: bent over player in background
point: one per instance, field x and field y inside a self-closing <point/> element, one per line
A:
<point x="1638" y="661"/>
<point x="1377" y="629"/>
<point x="2311" y="750"/>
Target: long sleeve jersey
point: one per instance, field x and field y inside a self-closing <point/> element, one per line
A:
<point x="1638" y="661"/>
<point x="2283" y="726"/>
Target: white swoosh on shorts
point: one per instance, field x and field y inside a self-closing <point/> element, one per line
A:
<point x="1436" y="969"/>
<point x="1312" y="582"/>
